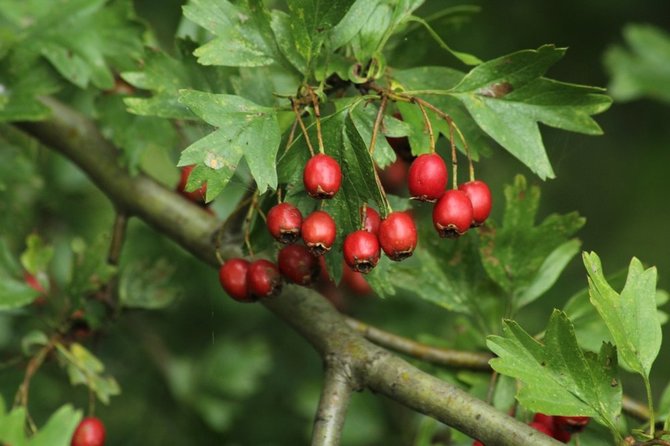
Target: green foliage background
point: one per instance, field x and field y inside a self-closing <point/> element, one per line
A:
<point x="207" y="371"/>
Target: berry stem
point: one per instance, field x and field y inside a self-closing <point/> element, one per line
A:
<point x="454" y="158"/>
<point x="317" y="115"/>
<point x="377" y="125"/>
<point x="652" y="423"/>
<point x="291" y="135"/>
<point x="253" y="206"/>
<point x="429" y="126"/>
<point x="363" y="214"/>
<point x="471" y="166"/>
<point x="294" y="105"/>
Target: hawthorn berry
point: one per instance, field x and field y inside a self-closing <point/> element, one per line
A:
<point x="298" y="265"/>
<point x="548" y="421"/>
<point x="322" y="176"/>
<point x="35" y="284"/>
<point x="263" y="279"/>
<point x="571" y="424"/>
<point x="394" y="176"/>
<point x="452" y="214"/>
<point x="372" y="220"/>
<point x="284" y="221"/>
<point x="397" y="235"/>
<point x="89" y="432"/>
<point x="480" y="196"/>
<point x="361" y="251"/>
<point x="427" y="177"/>
<point x="198" y="195"/>
<point x="318" y="232"/>
<point x="542" y="428"/>
<point x="233" y="278"/>
<point x="355" y="281"/>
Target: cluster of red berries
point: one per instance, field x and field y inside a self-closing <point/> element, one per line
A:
<point x="89" y="432"/>
<point x="557" y="427"/>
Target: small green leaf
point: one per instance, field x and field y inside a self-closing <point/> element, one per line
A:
<point x="147" y="286"/>
<point x="631" y="316"/>
<point x="12" y="427"/>
<point x="508" y="96"/>
<point x="558" y="377"/>
<point x="641" y="70"/>
<point x="31" y="340"/>
<point x="86" y="369"/>
<point x="15" y="294"/>
<point x="37" y="255"/>
<point x="59" y="428"/>
<point x="244" y="129"/>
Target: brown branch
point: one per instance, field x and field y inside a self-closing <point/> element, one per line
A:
<point x="306" y="311"/>
<point x="332" y="410"/>
<point x="434" y="355"/>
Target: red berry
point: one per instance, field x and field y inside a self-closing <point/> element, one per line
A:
<point x="198" y="195"/>
<point x="571" y="424"/>
<point x="233" y="278"/>
<point x="394" y="176"/>
<point x="35" y="284"/>
<point x="318" y="232"/>
<point x="355" y="281"/>
<point x="90" y="432"/>
<point x="372" y="220"/>
<point x="361" y="251"/>
<point x="322" y="176"/>
<point x="397" y="235"/>
<point x="427" y="178"/>
<point x="298" y="265"/>
<point x="542" y="428"/>
<point x="263" y="279"/>
<point x="477" y="443"/>
<point x="452" y="214"/>
<point x="561" y="435"/>
<point x="480" y="197"/>
<point x="284" y="221"/>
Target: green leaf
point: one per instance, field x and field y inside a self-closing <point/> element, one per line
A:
<point x="37" y="256"/>
<point x="86" y="369"/>
<point x="436" y="78"/>
<point x="12" y="427"/>
<point x="82" y="39"/>
<point x="467" y="59"/>
<point x="508" y="96"/>
<point x="559" y="378"/>
<point x="164" y="75"/>
<point x="59" y="428"/>
<point x="147" y="286"/>
<point x="20" y="89"/>
<point x="640" y="70"/>
<point x="363" y="116"/>
<point x="355" y="18"/>
<point x="281" y="27"/>
<point x="244" y="37"/>
<point x="90" y="269"/>
<point x="32" y="340"/>
<point x="523" y="258"/>
<point x="244" y="129"/>
<point x="15" y="294"/>
<point x="631" y="316"/>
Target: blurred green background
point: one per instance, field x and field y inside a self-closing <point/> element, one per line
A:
<point x="207" y="371"/>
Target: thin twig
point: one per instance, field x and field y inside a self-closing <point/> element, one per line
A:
<point x="317" y="116"/>
<point x="428" y="125"/>
<point x="377" y="125"/>
<point x="332" y="410"/>
<point x="21" y="398"/>
<point x="454" y="158"/>
<point x="434" y="355"/>
<point x="294" y="105"/>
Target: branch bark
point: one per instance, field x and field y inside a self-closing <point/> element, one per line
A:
<point x="78" y="139"/>
<point x="333" y="404"/>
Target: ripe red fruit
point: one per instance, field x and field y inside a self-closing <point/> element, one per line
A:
<point x="427" y="178"/>
<point x="89" y="432"/>
<point x="361" y="251"/>
<point x="322" y="176"/>
<point x="477" y="443"/>
<point x="372" y="220"/>
<point x="571" y="424"/>
<point x="542" y="428"/>
<point x="298" y="265"/>
<point x="549" y="421"/>
<point x="198" y="195"/>
<point x="284" y="221"/>
<point x="263" y="279"/>
<point x="394" y="176"/>
<point x="452" y="214"/>
<point x="480" y="197"/>
<point x="318" y="232"/>
<point x="397" y="235"/>
<point x="355" y="281"/>
<point x="35" y="284"/>
<point x="233" y="278"/>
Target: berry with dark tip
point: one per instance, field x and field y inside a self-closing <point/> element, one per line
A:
<point x="298" y="265"/>
<point x="233" y="278"/>
<point x="322" y="176"/>
<point x="263" y="279"/>
<point x="318" y="232"/>
<point x="89" y="432"/>
<point x="397" y="235"/>
<point x="361" y="251"/>
<point x="480" y="197"/>
<point x="284" y="221"/>
<point x="427" y="177"/>
<point x="452" y="214"/>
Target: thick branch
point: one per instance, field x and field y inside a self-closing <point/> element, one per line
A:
<point x="309" y="313"/>
<point x="330" y="415"/>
